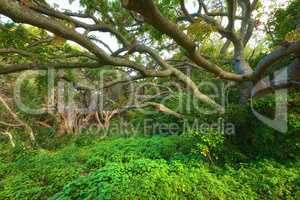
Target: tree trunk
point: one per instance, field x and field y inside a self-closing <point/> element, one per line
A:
<point x="242" y="67"/>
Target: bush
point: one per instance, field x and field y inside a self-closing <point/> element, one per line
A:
<point x="142" y="168"/>
<point x="38" y="174"/>
<point x="153" y="179"/>
<point x="159" y="179"/>
<point x="208" y="142"/>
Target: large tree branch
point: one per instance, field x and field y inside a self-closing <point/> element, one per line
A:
<point x="13" y="68"/>
<point x="153" y="16"/>
<point x="274" y="57"/>
<point x="16" y="51"/>
<point x="287" y="77"/>
<point x="23" y="14"/>
<point x="180" y="76"/>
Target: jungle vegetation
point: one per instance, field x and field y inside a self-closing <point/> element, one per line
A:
<point x="149" y="99"/>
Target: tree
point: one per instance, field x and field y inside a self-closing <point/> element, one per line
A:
<point x="144" y="26"/>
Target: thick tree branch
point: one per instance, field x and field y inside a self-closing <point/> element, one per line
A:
<point x="155" y="18"/>
<point x="16" y="51"/>
<point x="180" y="76"/>
<point x="287" y="77"/>
<point x="23" y="14"/>
<point x="13" y="68"/>
<point x="274" y="57"/>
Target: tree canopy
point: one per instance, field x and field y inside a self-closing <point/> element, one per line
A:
<point x="144" y="30"/>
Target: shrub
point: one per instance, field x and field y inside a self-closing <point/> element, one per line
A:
<point x="208" y="142"/>
<point x="142" y="168"/>
<point x="152" y="179"/>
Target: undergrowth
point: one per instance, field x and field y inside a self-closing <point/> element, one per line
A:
<point x="158" y="167"/>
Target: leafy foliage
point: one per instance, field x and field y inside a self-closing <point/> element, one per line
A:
<point x="209" y="142"/>
<point x="200" y="30"/>
<point x="145" y="168"/>
<point x="285" y="20"/>
<point x="256" y="163"/>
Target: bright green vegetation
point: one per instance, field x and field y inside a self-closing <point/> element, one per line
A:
<point x="156" y="75"/>
<point x="142" y="168"/>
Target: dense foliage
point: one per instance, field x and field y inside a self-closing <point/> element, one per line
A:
<point x="121" y="151"/>
<point x="145" y="168"/>
<point x="285" y="21"/>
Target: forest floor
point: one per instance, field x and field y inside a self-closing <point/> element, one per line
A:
<point x="157" y="167"/>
